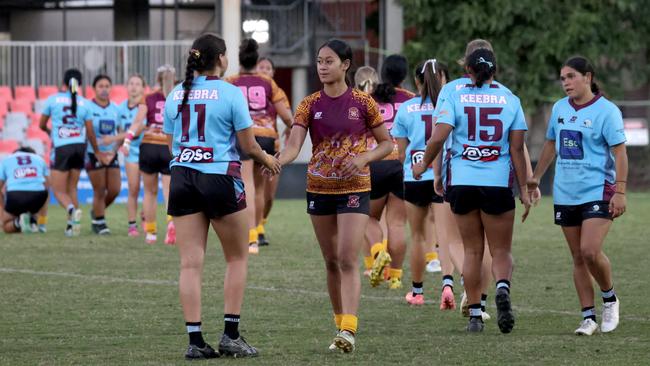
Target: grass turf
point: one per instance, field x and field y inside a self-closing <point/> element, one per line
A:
<point x="113" y="300"/>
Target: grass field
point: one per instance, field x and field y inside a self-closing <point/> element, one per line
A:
<point x="113" y="301"/>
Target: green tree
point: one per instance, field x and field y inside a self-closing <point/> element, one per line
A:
<point x="532" y="38"/>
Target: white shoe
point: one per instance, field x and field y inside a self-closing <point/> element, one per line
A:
<point x="464" y="306"/>
<point x="485" y="316"/>
<point x="344" y="341"/>
<point x="76" y="222"/>
<point x="587" y="327"/>
<point x="434" y="266"/>
<point x="332" y="347"/>
<point x="610" y="316"/>
<point x="25" y="225"/>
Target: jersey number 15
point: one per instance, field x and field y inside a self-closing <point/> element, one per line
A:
<point x="484" y="120"/>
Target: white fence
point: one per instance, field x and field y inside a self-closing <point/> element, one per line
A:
<point x="43" y="63"/>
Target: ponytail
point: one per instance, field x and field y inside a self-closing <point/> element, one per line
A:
<point x="430" y="74"/>
<point x="72" y="80"/>
<point x="482" y="64"/>
<point x="203" y="56"/>
<point x="393" y="72"/>
<point x="366" y="79"/>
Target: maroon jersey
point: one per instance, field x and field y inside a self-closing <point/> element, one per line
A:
<point x="388" y="112"/>
<point x="262" y="93"/>
<point x="339" y="129"/>
<point x="153" y="134"/>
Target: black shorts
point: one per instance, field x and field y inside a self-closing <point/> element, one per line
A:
<point x="421" y="193"/>
<point x="574" y="215"/>
<point x="68" y="157"/>
<point x="386" y="177"/>
<point x="215" y="195"/>
<point x="19" y="202"/>
<point x="333" y="204"/>
<point x="266" y="143"/>
<point x="155" y="158"/>
<point x="92" y="163"/>
<point x="491" y="200"/>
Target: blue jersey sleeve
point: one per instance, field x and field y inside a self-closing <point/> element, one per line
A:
<point x="399" y="125"/>
<point x="446" y="113"/>
<point x="442" y="97"/>
<point x="550" y="130"/>
<point x="47" y="110"/>
<point x="240" y="115"/>
<point x="168" y="121"/>
<point x="519" y="123"/>
<point x="84" y="112"/>
<point x="3" y="175"/>
<point x="613" y="128"/>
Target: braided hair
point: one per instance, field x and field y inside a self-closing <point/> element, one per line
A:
<point x="72" y="79"/>
<point x="203" y="56"/>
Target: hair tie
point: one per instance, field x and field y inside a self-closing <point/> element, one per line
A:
<point x="74" y="85"/>
<point x="195" y="53"/>
<point x="481" y="60"/>
<point x="431" y="61"/>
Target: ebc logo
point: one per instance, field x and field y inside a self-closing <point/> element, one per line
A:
<point x="195" y="154"/>
<point x="481" y="153"/>
<point x="106" y="126"/>
<point x="571" y="145"/>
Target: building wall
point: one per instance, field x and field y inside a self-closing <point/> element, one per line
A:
<point x="47" y="25"/>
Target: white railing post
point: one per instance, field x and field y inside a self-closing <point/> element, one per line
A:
<point x="125" y="55"/>
<point x="32" y="65"/>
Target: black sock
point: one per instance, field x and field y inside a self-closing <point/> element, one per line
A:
<point x="70" y="210"/>
<point x="475" y="311"/>
<point x="32" y="220"/>
<point x="483" y="301"/>
<point x="194" y="331"/>
<point x="503" y="283"/>
<point x="609" y="295"/>
<point x="589" y="313"/>
<point x="231" y="325"/>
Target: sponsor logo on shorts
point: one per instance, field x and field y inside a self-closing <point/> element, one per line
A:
<point x="595" y="208"/>
<point x="558" y="215"/>
<point x="26" y="172"/>
<point x="312" y="205"/>
<point x="69" y="132"/>
<point x="353" y="113"/>
<point x="481" y="153"/>
<point x="196" y="154"/>
<point x="353" y="201"/>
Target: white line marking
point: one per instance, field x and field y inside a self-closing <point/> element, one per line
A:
<point x="137" y="281"/>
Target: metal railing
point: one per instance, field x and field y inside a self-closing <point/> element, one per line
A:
<point x="43" y="63"/>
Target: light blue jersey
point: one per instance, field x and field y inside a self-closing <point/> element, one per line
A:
<point x="105" y="123"/>
<point x="583" y="135"/>
<point x="67" y="129"/>
<point x="23" y="171"/>
<point x="204" y="134"/>
<point x="126" y="117"/>
<point x="482" y="119"/>
<point x="414" y="122"/>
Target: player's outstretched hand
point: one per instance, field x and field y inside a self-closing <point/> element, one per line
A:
<point x="617" y="205"/>
<point x="525" y="199"/>
<point x="272" y="165"/>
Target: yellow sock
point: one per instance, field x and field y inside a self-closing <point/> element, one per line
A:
<point x="375" y="249"/>
<point x="169" y="218"/>
<point x="260" y="229"/>
<point x="367" y="262"/>
<point x="252" y="236"/>
<point x="349" y="323"/>
<point x="394" y="273"/>
<point x="384" y="244"/>
<point x="150" y="227"/>
<point x="337" y="320"/>
<point x="431" y="256"/>
<point x="42" y="220"/>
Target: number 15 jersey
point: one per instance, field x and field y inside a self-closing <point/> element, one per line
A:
<point x="204" y="133"/>
<point x="482" y="119"/>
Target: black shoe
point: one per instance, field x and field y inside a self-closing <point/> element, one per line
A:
<point x="475" y="325"/>
<point x="195" y="353"/>
<point x="505" y="316"/>
<point x="236" y="347"/>
<point x="101" y="229"/>
<point x="261" y="240"/>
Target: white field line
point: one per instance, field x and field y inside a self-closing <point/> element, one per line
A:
<point x="110" y="279"/>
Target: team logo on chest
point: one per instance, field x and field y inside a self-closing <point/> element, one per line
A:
<point x="318" y="115"/>
<point x="587" y="123"/>
<point x="573" y="119"/>
<point x="353" y="113"/>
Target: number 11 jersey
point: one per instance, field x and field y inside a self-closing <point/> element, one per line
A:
<point x="482" y="119"/>
<point x="414" y="122"/>
<point x="204" y="133"/>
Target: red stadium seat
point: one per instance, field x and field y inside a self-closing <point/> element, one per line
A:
<point x="119" y="94"/>
<point x="34" y="132"/>
<point x="4" y="107"/>
<point x="89" y="92"/>
<point x="8" y="146"/>
<point x="44" y="91"/>
<point x="5" y="93"/>
<point x="20" y="105"/>
<point x="36" y="119"/>
<point x="25" y="93"/>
